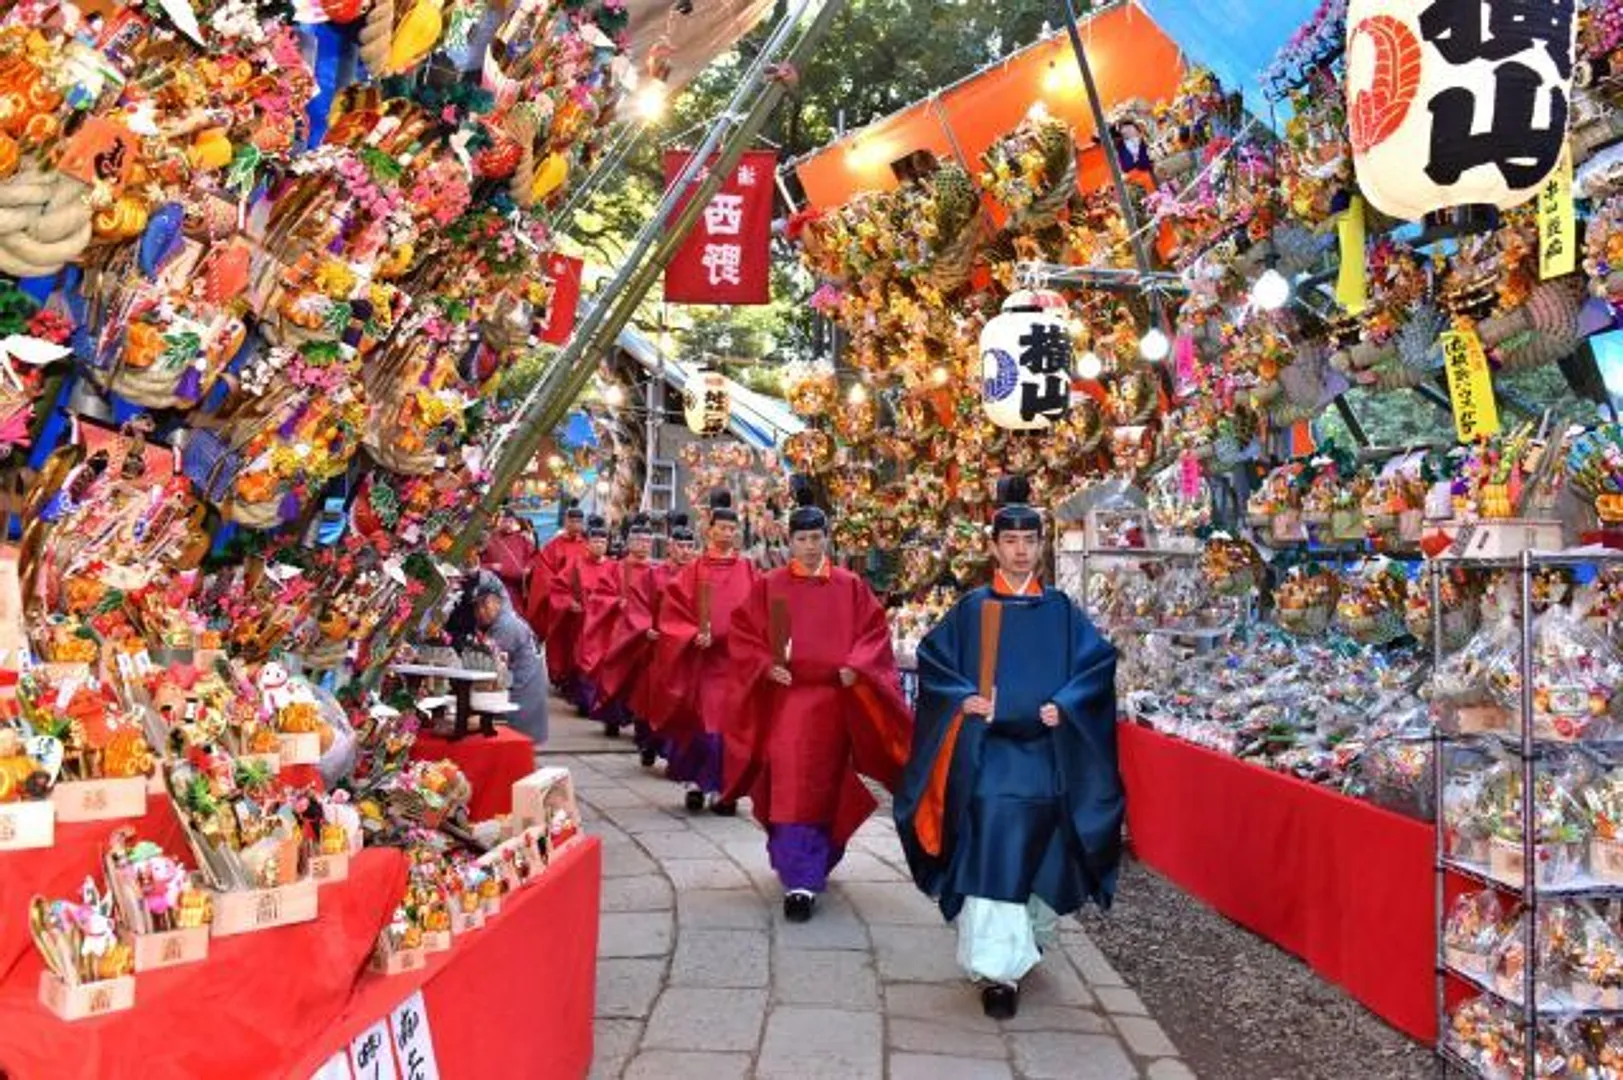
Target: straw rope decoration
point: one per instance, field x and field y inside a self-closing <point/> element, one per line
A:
<point x="45" y="222"/>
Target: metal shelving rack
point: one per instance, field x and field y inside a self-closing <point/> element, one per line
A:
<point x="1528" y="749"/>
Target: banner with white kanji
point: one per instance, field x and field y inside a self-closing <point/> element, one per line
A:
<point x="727" y="258"/>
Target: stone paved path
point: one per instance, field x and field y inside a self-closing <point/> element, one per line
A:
<point x="700" y="976"/>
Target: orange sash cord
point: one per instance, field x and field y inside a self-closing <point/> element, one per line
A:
<point x="932" y="806"/>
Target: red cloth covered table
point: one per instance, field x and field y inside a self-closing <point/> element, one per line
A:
<point x="57" y="872"/>
<point x="513" y="999"/>
<point x="1343" y="884"/>
<point x="492" y="765"/>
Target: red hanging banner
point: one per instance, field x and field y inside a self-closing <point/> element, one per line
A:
<point x="565" y="274"/>
<point x="727" y="258"/>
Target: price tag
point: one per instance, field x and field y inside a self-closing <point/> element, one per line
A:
<point x="370" y="1057"/>
<point x="413" y="1042"/>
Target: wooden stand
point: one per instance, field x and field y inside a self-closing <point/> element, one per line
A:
<point x="436" y="940"/>
<point x="301" y="749"/>
<point x="100" y="800"/>
<point x="464" y="921"/>
<point x="154" y="952"/>
<point x="263" y="909"/>
<point x="86" y="999"/>
<point x="1503" y="538"/>
<point x="462" y="682"/>
<point x="398" y="962"/>
<point x="26" y="825"/>
<point x="325" y="869"/>
<point x="543" y="790"/>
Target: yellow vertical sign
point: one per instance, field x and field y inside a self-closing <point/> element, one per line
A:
<point x="1557" y="223"/>
<point x="1470" y="386"/>
<point x="1352" y="289"/>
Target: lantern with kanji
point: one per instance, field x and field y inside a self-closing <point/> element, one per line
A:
<point x="706" y="404"/>
<point x="1026" y="362"/>
<point x="1456" y="102"/>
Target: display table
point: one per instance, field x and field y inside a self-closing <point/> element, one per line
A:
<point x="1343" y="884"/>
<point x="461" y="680"/>
<point x="58" y="872"/>
<point x="515" y="999"/>
<point x="512" y="999"/>
<point x="492" y="764"/>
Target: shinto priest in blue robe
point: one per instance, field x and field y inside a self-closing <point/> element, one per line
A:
<point x="1014" y="810"/>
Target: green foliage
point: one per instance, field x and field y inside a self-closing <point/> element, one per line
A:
<point x="880" y="56"/>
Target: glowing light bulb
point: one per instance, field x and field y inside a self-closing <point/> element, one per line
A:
<point x="1090" y="365"/>
<point x="857" y="394"/>
<point x="939" y="376"/>
<point x="614" y="396"/>
<point x="1154" y="345"/>
<point x="1271" y="291"/>
<point x="650" y="100"/>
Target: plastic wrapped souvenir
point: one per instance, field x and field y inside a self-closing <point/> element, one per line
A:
<point x="1461" y="609"/>
<point x="1577" y="676"/>
<point x="1370" y="607"/>
<point x="1306" y="599"/>
<point x="1467" y="686"/>
<point x="1474" y="932"/>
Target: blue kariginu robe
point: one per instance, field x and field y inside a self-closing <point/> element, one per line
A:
<point x="1017" y="809"/>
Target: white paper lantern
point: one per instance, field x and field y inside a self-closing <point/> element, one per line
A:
<point x="1026" y="362"/>
<point x="1456" y="102"/>
<point x="706" y="404"/>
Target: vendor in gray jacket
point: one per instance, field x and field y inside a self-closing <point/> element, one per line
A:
<point x="506" y="630"/>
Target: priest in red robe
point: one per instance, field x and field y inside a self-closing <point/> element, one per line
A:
<point x="695" y="622"/>
<point x="560" y="553"/>
<point x="566" y="614"/>
<point x="644" y="678"/>
<point x="508" y="555"/>
<point x="614" y="640"/>
<point x="817" y="700"/>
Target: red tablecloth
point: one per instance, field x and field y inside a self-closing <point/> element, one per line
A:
<point x="492" y="765"/>
<point x="1343" y="884"/>
<point x="513" y="999"/>
<point x="57" y="872"/>
<point x="244" y="1012"/>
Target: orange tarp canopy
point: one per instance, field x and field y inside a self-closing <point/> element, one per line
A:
<point x="1131" y="58"/>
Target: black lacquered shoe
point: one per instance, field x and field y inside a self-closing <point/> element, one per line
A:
<point x="1000" y="1001"/>
<point x="797" y="906"/>
<point x="724" y="809"/>
<point x="695" y="801"/>
<point x="650" y="757"/>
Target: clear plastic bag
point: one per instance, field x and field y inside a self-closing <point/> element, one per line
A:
<point x="1576" y="678"/>
<point x="1464" y="687"/>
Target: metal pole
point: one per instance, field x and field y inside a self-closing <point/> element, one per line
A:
<point x="1141" y="254"/>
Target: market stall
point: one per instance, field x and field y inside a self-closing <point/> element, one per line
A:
<point x="1323" y="407"/>
<point x="1344" y="885"/>
<point x="262" y="270"/>
<point x="282" y="1003"/>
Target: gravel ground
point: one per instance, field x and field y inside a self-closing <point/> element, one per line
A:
<point x="1236" y="1006"/>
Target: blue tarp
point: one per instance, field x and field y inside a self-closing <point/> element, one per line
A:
<point x="1236" y="39"/>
